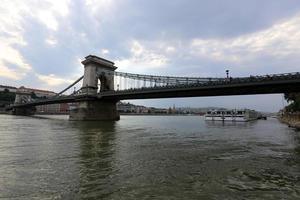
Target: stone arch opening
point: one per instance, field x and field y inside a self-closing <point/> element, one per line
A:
<point x="103" y="82"/>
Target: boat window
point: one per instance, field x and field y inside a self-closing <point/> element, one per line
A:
<point x="208" y="112"/>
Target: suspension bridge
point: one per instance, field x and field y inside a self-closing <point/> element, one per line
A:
<point x="102" y="87"/>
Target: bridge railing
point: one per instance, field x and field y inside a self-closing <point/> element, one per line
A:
<point x="165" y="82"/>
<point x="125" y="81"/>
<point x="219" y="81"/>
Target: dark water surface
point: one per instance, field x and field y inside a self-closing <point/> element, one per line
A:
<point x="147" y="157"/>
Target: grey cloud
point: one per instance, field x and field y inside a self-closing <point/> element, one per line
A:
<point x="205" y="19"/>
<point x="175" y="23"/>
<point x="150" y="21"/>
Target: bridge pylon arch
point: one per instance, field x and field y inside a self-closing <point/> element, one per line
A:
<point x="96" y="69"/>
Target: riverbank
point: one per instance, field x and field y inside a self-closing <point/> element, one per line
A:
<point x="132" y="114"/>
<point x="292" y="119"/>
<point x="139" y="114"/>
<point x="158" y="114"/>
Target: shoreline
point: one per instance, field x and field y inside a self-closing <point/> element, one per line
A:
<point x="159" y="114"/>
<point x="292" y="120"/>
<point x="133" y="114"/>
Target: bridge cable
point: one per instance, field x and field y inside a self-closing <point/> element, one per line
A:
<point x="69" y="86"/>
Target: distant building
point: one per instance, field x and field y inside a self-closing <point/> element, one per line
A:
<point x="50" y="108"/>
<point x="38" y="92"/>
<point x="158" y="110"/>
<point x="9" y="88"/>
<point x="130" y="108"/>
<point x="62" y="108"/>
<point x="126" y="107"/>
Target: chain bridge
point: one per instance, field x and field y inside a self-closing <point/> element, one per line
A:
<point x="102" y="87"/>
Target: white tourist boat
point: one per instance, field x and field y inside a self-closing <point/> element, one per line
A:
<point x="243" y="115"/>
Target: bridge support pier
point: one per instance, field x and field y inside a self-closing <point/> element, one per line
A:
<point x="27" y="111"/>
<point x="95" y="111"/>
<point x="23" y="96"/>
<point x="96" y="69"/>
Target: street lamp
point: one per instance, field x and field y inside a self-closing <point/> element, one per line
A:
<point x="227" y="73"/>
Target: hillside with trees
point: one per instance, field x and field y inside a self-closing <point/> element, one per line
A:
<point x="291" y="114"/>
<point x="6" y="97"/>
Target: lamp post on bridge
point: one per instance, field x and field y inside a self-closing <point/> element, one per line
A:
<point x="227" y="73"/>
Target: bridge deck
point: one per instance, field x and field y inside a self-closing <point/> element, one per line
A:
<point x="223" y="87"/>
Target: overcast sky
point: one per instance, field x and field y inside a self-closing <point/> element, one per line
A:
<point x="43" y="42"/>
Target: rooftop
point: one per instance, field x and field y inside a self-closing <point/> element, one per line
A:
<point x="37" y="90"/>
<point x="7" y="86"/>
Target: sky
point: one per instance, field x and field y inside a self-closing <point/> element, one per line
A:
<point x="42" y="42"/>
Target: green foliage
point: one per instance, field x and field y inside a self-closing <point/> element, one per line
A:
<point x="33" y="95"/>
<point x="7" y="97"/>
<point x="291" y="96"/>
<point x="294" y="98"/>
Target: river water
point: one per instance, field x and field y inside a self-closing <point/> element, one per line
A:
<point x="147" y="157"/>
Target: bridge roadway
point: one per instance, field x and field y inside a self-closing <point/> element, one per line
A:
<point x="283" y="83"/>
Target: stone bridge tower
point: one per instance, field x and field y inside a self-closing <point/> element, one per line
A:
<point x="96" y="70"/>
<point x="23" y="96"/>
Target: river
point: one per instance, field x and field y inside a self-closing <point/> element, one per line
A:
<point x="147" y="157"/>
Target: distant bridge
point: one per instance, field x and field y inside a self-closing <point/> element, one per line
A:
<point x="98" y="101"/>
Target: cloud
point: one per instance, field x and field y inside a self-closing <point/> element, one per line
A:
<point x="57" y="83"/>
<point x="198" y="38"/>
<point x="51" y="41"/>
<point x="10" y="73"/>
<point x="271" y="50"/>
<point x="104" y="52"/>
<point x="13" y="65"/>
<point x="279" y="41"/>
<point x="170" y="49"/>
<point x="142" y="57"/>
<point x="49" y="12"/>
<point x="100" y="6"/>
<point x="53" y="80"/>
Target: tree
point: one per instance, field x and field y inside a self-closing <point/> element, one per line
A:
<point x="294" y="98"/>
<point x="6" y="96"/>
<point x="33" y="95"/>
<point x="291" y="96"/>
